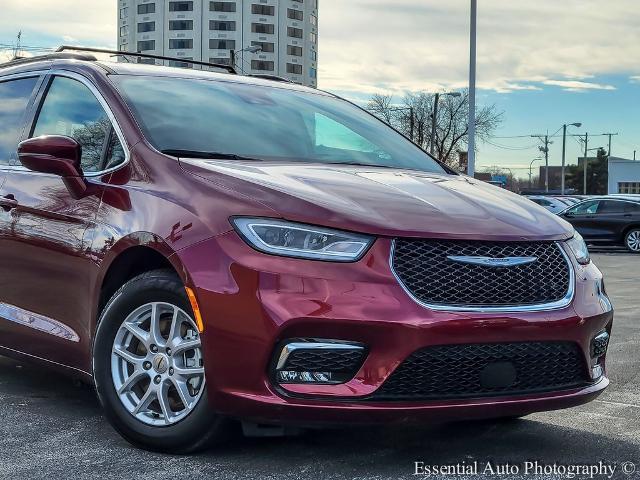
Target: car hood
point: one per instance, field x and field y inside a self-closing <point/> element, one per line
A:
<point x="385" y="201"/>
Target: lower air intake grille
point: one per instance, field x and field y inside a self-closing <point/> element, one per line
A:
<point x="480" y="370"/>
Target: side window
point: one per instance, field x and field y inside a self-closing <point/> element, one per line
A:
<point x="585" y="208"/>
<point x="71" y="109"/>
<point x="632" y="207"/>
<point x="14" y="98"/>
<point x="610" y="206"/>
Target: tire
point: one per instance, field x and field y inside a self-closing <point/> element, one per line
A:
<point x="137" y="412"/>
<point x="632" y="240"/>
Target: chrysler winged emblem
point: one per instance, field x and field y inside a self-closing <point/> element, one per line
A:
<point x="493" y="262"/>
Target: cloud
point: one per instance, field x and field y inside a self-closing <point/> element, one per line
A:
<point x="368" y="45"/>
<point x="576" y="85"/>
<point x="635" y="79"/>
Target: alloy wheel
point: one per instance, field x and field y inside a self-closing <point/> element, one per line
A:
<point x="633" y="241"/>
<point x="156" y="364"/>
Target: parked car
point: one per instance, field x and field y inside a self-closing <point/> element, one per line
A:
<point x="204" y="246"/>
<point x="553" y="204"/>
<point x="608" y="220"/>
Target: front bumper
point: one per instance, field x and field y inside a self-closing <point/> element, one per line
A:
<point x="251" y="302"/>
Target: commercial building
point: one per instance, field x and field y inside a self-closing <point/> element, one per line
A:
<point x="624" y="176"/>
<point x="285" y="30"/>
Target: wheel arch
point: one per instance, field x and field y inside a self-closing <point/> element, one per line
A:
<point x="132" y="255"/>
<point x="627" y="229"/>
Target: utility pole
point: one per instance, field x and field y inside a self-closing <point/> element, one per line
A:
<point x="545" y="150"/>
<point x="586" y="161"/>
<point x="609" y="135"/>
<point x="471" y="154"/>
<point x="434" y="119"/>
<point x="16" y="51"/>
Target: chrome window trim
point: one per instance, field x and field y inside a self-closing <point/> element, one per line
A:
<point x="87" y="83"/>
<point x="289" y="348"/>
<point x="541" y="307"/>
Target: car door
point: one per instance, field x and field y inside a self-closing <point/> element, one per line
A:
<point x="583" y="218"/>
<point x="611" y="220"/>
<point x="44" y="262"/>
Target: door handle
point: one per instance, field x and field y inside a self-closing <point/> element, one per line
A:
<point x="8" y="203"/>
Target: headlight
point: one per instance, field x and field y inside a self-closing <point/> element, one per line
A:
<point x="579" y="249"/>
<point x="302" y="241"/>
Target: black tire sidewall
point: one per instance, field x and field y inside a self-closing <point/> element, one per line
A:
<point x="182" y="437"/>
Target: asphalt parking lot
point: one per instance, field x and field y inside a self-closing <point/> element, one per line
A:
<point x="52" y="428"/>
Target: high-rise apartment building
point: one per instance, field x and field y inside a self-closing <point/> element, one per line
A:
<point x="205" y="30"/>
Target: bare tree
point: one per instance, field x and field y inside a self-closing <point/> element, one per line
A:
<point x="451" y="125"/>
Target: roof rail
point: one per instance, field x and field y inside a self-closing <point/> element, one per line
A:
<point x="49" y="56"/>
<point x="64" y="48"/>
<point x="267" y="76"/>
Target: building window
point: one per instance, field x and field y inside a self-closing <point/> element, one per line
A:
<point x="147" y="27"/>
<point x="294" y="32"/>
<point x="299" y="1"/>
<point x="263" y="9"/>
<point x="295" y="51"/>
<point x="314" y="20"/>
<point x="262" y="65"/>
<point x="629" y="187"/>
<point x="146" y="8"/>
<point x="124" y="12"/>
<point x="180" y="43"/>
<point x="313" y="37"/>
<point x="222" y="6"/>
<point x="222" y="26"/>
<point x="219" y="44"/>
<point x="181" y="25"/>
<point x="146" y="45"/>
<point x="181" y="6"/>
<point x="266" y="47"/>
<point x="313" y="73"/>
<point x="147" y="61"/>
<point x="124" y="31"/>
<point x="179" y="64"/>
<point x="314" y="55"/>
<point x="220" y="60"/>
<point x="262" y="27"/>
<point x="295" y="69"/>
<point x="295" y="14"/>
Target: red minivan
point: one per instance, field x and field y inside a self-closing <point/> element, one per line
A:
<point x="207" y="247"/>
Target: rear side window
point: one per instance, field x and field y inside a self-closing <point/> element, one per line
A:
<point x="611" y="206"/>
<point x="631" y="207"/>
<point x="14" y="98"/>
<point x="71" y="109"/>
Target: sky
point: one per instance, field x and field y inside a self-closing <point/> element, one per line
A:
<point x="542" y="63"/>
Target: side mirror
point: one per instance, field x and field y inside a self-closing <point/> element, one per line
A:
<point x="54" y="154"/>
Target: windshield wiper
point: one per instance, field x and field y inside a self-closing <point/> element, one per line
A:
<point x="207" y="155"/>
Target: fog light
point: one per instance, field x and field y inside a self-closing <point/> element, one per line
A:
<point x="318" y="361"/>
<point x="599" y="345"/>
<point x="291" y="376"/>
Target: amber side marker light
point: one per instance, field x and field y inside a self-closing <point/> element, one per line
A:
<point x="196" y="309"/>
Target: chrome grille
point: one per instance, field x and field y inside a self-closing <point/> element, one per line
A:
<point x="426" y="272"/>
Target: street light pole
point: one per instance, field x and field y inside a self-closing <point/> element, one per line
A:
<point x="531" y="170"/>
<point x="233" y="54"/>
<point x="471" y="154"/>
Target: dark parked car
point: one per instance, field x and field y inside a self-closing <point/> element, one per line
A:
<point x="206" y="246"/>
<point x="610" y="220"/>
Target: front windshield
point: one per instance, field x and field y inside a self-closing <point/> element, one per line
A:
<point x="263" y="122"/>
